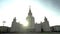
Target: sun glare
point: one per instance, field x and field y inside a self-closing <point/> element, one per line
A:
<point x="25" y="23"/>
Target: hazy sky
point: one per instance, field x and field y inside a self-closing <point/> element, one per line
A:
<point x="20" y="8"/>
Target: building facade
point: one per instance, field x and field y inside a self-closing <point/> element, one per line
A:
<point x="32" y="27"/>
<point x="16" y="27"/>
<point x="45" y="25"/>
<point x="55" y="28"/>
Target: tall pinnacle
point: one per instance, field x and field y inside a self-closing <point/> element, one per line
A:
<point x="45" y="19"/>
<point x="30" y="13"/>
<point x="14" y="20"/>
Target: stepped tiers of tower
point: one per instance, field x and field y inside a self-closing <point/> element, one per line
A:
<point x="32" y="27"/>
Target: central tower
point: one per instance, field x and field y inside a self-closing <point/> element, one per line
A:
<point x="30" y="19"/>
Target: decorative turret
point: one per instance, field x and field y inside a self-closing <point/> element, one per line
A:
<point x="45" y="25"/>
<point x="14" y="20"/>
<point x="45" y="19"/>
<point x="13" y="27"/>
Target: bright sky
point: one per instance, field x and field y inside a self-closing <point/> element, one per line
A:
<point x="20" y="8"/>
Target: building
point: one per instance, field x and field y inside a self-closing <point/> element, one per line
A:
<point x="55" y="28"/>
<point x="4" y="29"/>
<point x="16" y="27"/>
<point x="45" y="25"/>
<point x="32" y="27"/>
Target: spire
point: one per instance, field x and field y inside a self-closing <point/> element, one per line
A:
<point x="45" y="19"/>
<point x="14" y="20"/>
<point x="30" y="13"/>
